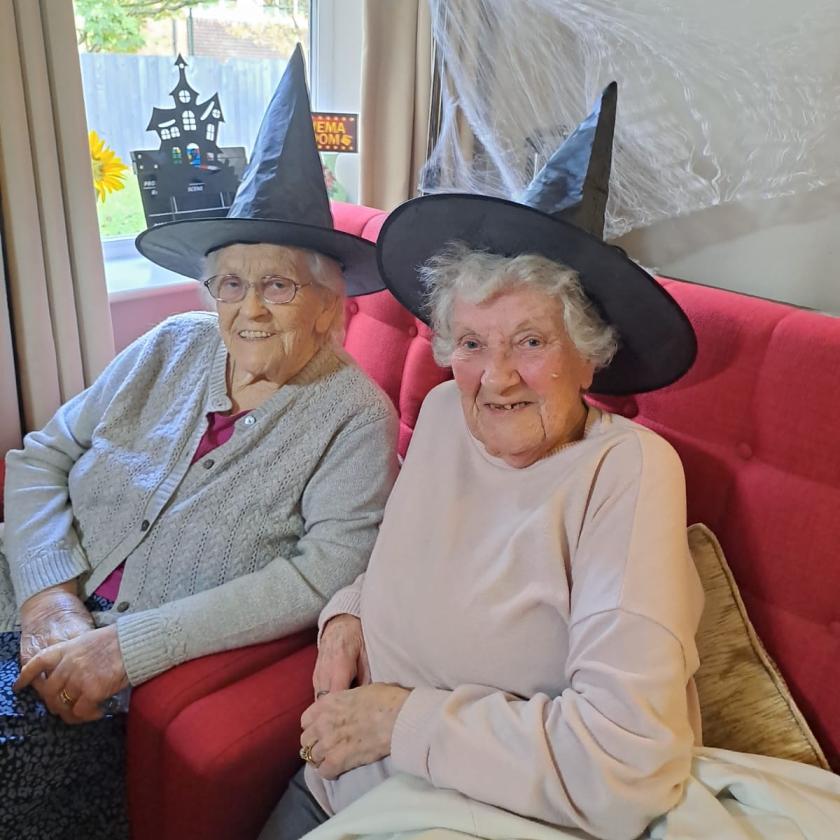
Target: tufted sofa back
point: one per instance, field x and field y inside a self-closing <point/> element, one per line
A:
<point x="754" y="422"/>
<point x="386" y="340"/>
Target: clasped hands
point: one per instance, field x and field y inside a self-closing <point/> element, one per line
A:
<point x="347" y="727"/>
<point x="72" y="665"/>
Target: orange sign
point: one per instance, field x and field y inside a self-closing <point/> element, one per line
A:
<point x="335" y="132"/>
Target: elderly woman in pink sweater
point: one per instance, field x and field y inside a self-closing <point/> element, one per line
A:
<point x="524" y="633"/>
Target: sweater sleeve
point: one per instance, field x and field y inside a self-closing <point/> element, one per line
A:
<point x="347" y="601"/>
<point x="41" y="544"/>
<point x="341" y="506"/>
<point x="613" y="750"/>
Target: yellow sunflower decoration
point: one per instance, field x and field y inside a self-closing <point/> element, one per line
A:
<point x="108" y="170"/>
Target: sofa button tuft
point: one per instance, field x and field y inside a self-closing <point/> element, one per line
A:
<point x="744" y="451"/>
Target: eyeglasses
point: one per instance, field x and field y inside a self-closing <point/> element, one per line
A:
<point x="272" y="290"/>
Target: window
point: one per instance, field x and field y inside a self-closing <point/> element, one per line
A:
<point x="234" y="48"/>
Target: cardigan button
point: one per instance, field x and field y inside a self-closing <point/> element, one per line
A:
<point x="144" y="525"/>
<point x="122" y="606"/>
<point x="250" y="420"/>
<point x="208" y="463"/>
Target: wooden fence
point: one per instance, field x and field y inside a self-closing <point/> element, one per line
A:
<point x="121" y="90"/>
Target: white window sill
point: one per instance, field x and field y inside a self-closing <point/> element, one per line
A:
<point x="130" y="275"/>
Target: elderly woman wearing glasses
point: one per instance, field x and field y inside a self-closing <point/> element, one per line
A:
<point x="221" y="479"/>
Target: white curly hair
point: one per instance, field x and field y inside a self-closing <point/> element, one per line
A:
<point x="461" y="272"/>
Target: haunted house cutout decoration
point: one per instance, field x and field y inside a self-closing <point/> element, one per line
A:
<point x="190" y="176"/>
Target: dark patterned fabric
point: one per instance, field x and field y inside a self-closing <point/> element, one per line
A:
<point x="57" y="781"/>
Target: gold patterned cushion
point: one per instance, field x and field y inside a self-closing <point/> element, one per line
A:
<point x="744" y="701"/>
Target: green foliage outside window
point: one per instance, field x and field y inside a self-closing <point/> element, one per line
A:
<point x="122" y="213"/>
<point x="116" y="25"/>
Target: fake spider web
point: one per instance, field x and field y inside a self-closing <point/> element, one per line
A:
<point x="709" y="111"/>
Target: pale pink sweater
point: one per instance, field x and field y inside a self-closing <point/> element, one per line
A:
<point x="544" y="618"/>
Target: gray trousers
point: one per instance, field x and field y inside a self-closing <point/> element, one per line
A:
<point x="296" y="814"/>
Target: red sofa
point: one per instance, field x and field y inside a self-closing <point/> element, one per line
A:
<point x="212" y="742"/>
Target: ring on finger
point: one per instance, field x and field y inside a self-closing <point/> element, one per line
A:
<point x="306" y="752"/>
<point x="65" y="697"/>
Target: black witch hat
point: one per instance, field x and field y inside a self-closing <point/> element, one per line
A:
<point x="282" y="200"/>
<point x="560" y="215"/>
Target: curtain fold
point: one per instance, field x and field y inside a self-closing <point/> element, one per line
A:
<point x="396" y="89"/>
<point x="55" y="301"/>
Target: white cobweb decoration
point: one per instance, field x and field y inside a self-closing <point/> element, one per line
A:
<point x="727" y="101"/>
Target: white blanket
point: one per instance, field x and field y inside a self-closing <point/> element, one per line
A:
<point x="730" y="796"/>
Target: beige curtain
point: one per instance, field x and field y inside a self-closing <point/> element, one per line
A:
<point x="396" y="88"/>
<point x="54" y="316"/>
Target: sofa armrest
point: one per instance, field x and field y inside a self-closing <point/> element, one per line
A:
<point x="229" y="755"/>
<point x="163" y="706"/>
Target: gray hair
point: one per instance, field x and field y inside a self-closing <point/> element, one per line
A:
<point x="476" y="276"/>
<point x="326" y="272"/>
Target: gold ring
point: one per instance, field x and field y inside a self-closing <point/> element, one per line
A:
<point x="65" y="697"/>
<point x="306" y="753"/>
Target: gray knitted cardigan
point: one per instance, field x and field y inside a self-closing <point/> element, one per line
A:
<point x="246" y="545"/>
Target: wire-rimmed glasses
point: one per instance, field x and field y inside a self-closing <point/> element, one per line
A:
<point x="273" y="289"/>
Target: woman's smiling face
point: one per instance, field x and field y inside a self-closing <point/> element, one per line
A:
<point x="520" y="377"/>
<point x="269" y="341"/>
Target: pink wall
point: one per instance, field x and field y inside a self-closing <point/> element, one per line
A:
<point x="137" y="311"/>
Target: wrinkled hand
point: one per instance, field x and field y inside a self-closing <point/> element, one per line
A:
<point x="341" y="656"/>
<point x="54" y="615"/>
<point x="351" y="728"/>
<point x="88" y="669"/>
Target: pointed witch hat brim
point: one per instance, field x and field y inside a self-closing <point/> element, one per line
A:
<point x="183" y="246"/>
<point x="657" y="342"/>
<point x="560" y="216"/>
<point x="281" y="200"/>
